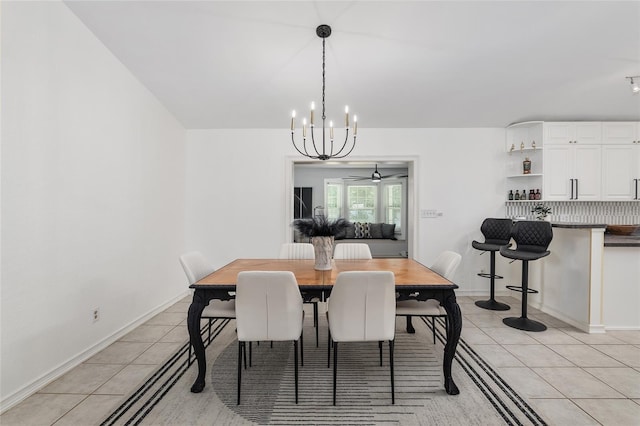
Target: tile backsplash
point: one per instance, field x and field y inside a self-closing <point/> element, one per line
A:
<point x="607" y="212"/>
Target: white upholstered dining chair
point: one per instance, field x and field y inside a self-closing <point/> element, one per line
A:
<point x="297" y="251"/>
<point x="268" y="307"/>
<point x="196" y="267"/>
<point x="352" y="251"/>
<point x="362" y="308"/>
<point x="446" y="265"/>
<point x="302" y="251"/>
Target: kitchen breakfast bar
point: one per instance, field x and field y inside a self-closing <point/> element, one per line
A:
<point x="591" y="279"/>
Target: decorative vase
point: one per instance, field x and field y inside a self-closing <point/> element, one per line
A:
<point x="323" y="248"/>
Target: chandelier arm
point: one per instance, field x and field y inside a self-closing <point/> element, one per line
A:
<point x="346" y="138"/>
<point x="295" y="145"/>
<point x="352" y="146"/>
<point x="315" y="148"/>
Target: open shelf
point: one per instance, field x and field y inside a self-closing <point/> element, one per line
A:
<point x="523" y="175"/>
<point x="529" y="149"/>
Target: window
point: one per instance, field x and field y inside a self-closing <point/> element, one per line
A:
<point x="361" y="203"/>
<point x="367" y="202"/>
<point x="333" y="201"/>
<point x="393" y="204"/>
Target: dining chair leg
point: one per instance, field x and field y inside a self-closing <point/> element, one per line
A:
<point x="240" y="351"/>
<point x="380" y="350"/>
<point x="250" y="354"/>
<point x="315" y="321"/>
<point x="295" y="368"/>
<point x="393" y="389"/>
<point x="189" y="362"/>
<point x="329" y="349"/>
<point x="335" y="369"/>
<point x="244" y="356"/>
<point x="209" y="335"/>
<point x="301" y="349"/>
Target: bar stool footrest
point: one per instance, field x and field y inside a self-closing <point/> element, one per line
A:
<point x="485" y="275"/>
<point x="520" y="289"/>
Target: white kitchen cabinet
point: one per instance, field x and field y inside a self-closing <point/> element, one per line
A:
<point x="621" y="132"/>
<point x="572" y="172"/>
<point x="573" y="133"/>
<point x="621" y="172"/>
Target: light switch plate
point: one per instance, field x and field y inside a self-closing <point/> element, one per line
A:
<point x="430" y="214"/>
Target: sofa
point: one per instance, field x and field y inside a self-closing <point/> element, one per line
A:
<point x="380" y="237"/>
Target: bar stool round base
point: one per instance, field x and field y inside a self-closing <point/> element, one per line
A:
<point x="525" y="324"/>
<point x="492" y="305"/>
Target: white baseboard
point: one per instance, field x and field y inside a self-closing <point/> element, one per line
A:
<point x="622" y="328"/>
<point x="587" y="328"/>
<point x="73" y="362"/>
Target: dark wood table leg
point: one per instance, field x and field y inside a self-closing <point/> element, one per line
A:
<point x="193" y="324"/>
<point x="410" y="328"/>
<point x="201" y="298"/>
<point x="454" y="322"/>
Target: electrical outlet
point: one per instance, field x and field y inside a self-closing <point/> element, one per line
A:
<point x="96" y="314"/>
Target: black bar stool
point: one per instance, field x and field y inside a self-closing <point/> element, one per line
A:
<point x="532" y="239"/>
<point x="497" y="233"/>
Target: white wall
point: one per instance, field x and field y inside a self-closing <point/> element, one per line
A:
<point x="92" y="196"/>
<point x="236" y="190"/>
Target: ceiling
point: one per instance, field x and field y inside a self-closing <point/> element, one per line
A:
<point x="397" y="64"/>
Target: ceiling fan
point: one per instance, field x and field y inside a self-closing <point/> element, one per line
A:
<point x="376" y="176"/>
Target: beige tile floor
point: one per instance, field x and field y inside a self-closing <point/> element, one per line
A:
<point x="569" y="377"/>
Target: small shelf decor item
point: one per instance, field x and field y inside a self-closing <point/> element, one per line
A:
<point x="322" y="231"/>
<point x="526" y="166"/>
<point x="541" y="211"/>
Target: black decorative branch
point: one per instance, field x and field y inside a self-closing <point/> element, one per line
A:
<point x="320" y="226"/>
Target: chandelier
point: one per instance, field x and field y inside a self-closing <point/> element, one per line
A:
<point x="325" y="150"/>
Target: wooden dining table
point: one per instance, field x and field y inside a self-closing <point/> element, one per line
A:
<point x="413" y="281"/>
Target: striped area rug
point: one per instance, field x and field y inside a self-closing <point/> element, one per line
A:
<point x="363" y="396"/>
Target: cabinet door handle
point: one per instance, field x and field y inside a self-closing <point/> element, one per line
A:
<point x="571" y="189"/>
<point x="636" y="181"/>
<point x="576" y="189"/>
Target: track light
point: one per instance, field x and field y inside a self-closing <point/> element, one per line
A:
<point x="635" y="88"/>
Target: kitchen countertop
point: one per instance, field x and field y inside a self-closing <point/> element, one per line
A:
<point x="610" y="240"/>
<point x="577" y="225"/>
